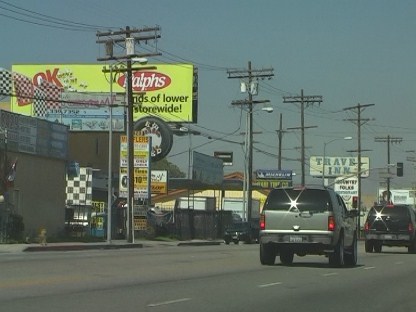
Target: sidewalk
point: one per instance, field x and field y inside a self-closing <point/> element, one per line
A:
<point x="116" y="244"/>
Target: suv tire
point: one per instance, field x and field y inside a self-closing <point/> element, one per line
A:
<point x="336" y="259"/>
<point x="412" y="248"/>
<point x="369" y="246"/>
<point x="378" y="246"/>
<point x="286" y="257"/>
<point x="267" y="254"/>
<point x="351" y="255"/>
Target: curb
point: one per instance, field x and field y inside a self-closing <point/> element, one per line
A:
<point x="199" y="243"/>
<point x="81" y="247"/>
<point x="75" y="247"/>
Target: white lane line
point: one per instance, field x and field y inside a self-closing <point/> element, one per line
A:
<point x="369" y="268"/>
<point x="399" y="262"/>
<point x="330" y="274"/>
<point x="269" y="285"/>
<point x="157" y="304"/>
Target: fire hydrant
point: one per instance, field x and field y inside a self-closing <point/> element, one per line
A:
<point x="42" y="237"/>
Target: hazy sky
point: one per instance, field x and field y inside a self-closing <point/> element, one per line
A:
<point x="348" y="51"/>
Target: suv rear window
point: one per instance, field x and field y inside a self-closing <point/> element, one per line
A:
<point x="396" y="211"/>
<point x="313" y="200"/>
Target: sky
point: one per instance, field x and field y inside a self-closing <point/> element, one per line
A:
<point x="349" y="52"/>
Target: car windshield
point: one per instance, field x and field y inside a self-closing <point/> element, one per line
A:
<point x="311" y="200"/>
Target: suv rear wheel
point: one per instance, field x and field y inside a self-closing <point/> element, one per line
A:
<point x="351" y="255"/>
<point x="336" y="259"/>
<point x="412" y="247"/>
<point x="286" y="257"/>
<point x="267" y="254"/>
<point x="378" y="246"/>
<point x="369" y="246"/>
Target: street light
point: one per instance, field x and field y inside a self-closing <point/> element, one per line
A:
<point x="110" y="160"/>
<point x="248" y="158"/>
<point x="189" y="132"/>
<point x="324" y="158"/>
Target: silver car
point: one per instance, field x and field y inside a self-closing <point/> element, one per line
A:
<point x="307" y="220"/>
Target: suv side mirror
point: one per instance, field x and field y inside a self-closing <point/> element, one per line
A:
<point x="353" y="213"/>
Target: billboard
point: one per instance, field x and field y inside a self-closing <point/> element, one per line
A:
<point x="80" y="95"/>
<point x="270" y="178"/>
<point x="405" y="197"/>
<point x="338" y="166"/>
<point x="347" y="187"/>
<point x="227" y="157"/>
<point x="207" y="169"/>
<point x="159" y="182"/>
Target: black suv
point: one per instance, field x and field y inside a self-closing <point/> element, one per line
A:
<point x="307" y="220"/>
<point x="390" y="225"/>
<point x="241" y="231"/>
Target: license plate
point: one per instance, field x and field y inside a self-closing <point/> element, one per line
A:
<point x="295" y="239"/>
<point x="388" y="236"/>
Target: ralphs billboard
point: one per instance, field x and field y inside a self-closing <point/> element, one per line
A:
<point x="78" y="95"/>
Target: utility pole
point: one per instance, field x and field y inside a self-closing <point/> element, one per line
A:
<point x="250" y="75"/>
<point x="389" y="140"/>
<point x="308" y="100"/>
<point x="126" y="40"/>
<point x="280" y="137"/>
<point x="359" y="121"/>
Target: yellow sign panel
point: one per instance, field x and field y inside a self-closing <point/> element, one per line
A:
<point x="141" y="172"/>
<point x="166" y="91"/>
<point x="159" y="188"/>
<point x="140" y="223"/>
<point x="98" y="206"/>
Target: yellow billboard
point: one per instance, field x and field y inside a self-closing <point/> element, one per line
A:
<point x="78" y="93"/>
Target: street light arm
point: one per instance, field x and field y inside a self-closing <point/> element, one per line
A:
<point x="323" y="160"/>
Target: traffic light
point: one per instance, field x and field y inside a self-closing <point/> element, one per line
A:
<point x="355" y="202"/>
<point x="399" y="168"/>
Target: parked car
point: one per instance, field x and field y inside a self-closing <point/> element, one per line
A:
<point x="390" y="225"/>
<point x="306" y="220"/>
<point x="240" y="231"/>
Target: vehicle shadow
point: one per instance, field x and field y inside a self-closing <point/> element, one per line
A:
<point x="392" y="252"/>
<point x="317" y="265"/>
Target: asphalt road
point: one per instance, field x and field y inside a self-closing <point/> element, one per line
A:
<point x="202" y="278"/>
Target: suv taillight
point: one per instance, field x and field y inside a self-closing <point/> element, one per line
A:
<point x="331" y="223"/>
<point x="410" y="228"/>
<point x="366" y="226"/>
<point x="262" y="222"/>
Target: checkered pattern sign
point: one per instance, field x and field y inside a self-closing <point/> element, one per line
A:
<point x="79" y="188"/>
<point x="53" y="94"/>
<point x="5" y="82"/>
<point x="39" y="104"/>
<point x="45" y="96"/>
<point x="23" y="88"/>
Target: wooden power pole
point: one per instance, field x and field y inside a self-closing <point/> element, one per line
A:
<point x="303" y="100"/>
<point x="251" y="75"/>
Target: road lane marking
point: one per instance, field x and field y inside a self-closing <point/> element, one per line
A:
<point x="157" y="304"/>
<point x="369" y="268"/>
<point x="269" y="285"/>
<point x="330" y="274"/>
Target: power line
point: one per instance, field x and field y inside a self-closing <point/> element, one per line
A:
<point x="53" y="21"/>
<point x="308" y="100"/>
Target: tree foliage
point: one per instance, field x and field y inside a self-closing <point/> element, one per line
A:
<point x="173" y="170"/>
